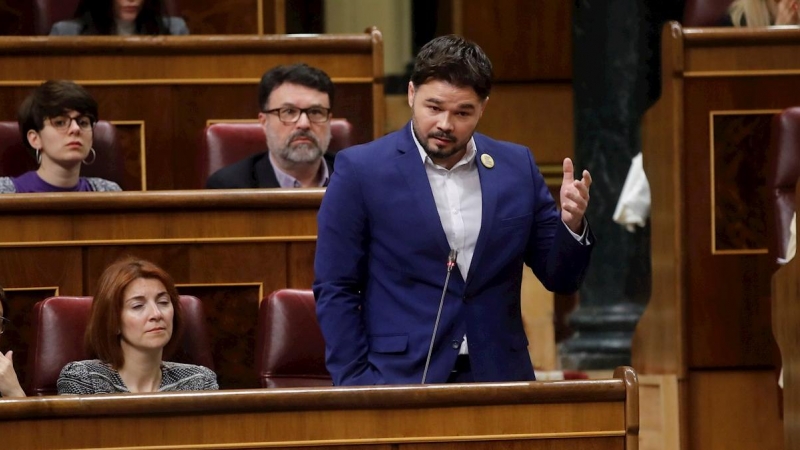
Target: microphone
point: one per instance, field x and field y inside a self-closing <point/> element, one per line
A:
<point x="451" y="262"/>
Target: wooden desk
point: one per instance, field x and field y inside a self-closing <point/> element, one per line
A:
<point x="162" y="91"/>
<point x="704" y="144"/>
<point x="786" y="328"/>
<point x="597" y="415"/>
<point x="228" y="248"/>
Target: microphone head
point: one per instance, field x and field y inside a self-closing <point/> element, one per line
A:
<point x="451" y="258"/>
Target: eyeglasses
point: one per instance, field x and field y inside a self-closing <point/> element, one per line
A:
<point x="3" y="323"/>
<point x="289" y="114"/>
<point x="62" y="123"/>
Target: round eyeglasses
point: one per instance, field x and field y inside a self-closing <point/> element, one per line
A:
<point x="3" y="323"/>
<point x="290" y="114"/>
<point x="62" y="123"/>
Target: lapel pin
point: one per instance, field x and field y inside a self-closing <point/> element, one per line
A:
<point x="487" y="161"/>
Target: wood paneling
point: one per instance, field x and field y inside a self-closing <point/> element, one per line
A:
<point x="721" y="418"/>
<point x="225" y="16"/>
<point x="173" y="85"/>
<point x="525" y="39"/>
<point x="708" y="319"/>
<point x="537" y="115"/>
<point x="16" y="17"/>
<point x="739" y="181"/>
<point x="19" y="333"/>
<point x="530" y="45"/>
<point x="228" y="248"/>
<point x="785" y="317"/>
<point x="659" y="415"/>
<point x="590" y="414"/>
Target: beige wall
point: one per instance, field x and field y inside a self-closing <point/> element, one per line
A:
<point x="392" y="17"/>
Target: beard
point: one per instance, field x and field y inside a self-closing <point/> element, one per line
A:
<point x="434" y="152"/>
<point x="300" y="153"/>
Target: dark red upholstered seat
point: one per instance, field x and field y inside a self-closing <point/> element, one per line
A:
<point x="704" y="13"/>
<point x="290" y="350"/>
<point x="783" y="172"/>
<point x="59" y="327"/>
<point x="226" y="143"/>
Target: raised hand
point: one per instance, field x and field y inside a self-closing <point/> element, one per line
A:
<point x="574" y="197"/>
<point x="787" y="13"/>
<point x="9" y="384"/>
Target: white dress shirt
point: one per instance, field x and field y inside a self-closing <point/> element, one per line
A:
<point x="457" y="193"/>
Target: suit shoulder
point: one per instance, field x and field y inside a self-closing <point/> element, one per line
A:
<point x="103" y="185"/>
<point x="238" y="175"/>
<point x="72" y="27"/>
<point x="176" y="25"/>
<point x="187" y="377"/>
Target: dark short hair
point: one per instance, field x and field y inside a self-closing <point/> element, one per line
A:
<point x="51" y="99"/>
<point x="455" y="60"/>
<point x="301" y="74"/>
<point x="102" y="333"/>
<point x="98" y="17"/>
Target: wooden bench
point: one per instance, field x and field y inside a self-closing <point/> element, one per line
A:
<point x="161" y="92"/>
<point x="554" y="415"/>
<point x="228" y="248"/>
<point x="705" y="142"/>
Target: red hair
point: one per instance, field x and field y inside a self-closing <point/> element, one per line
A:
<point x="102" y="334"/>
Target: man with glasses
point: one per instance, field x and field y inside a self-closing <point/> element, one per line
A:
<point x="295" y="104"/>
<point x="9" y="384"/>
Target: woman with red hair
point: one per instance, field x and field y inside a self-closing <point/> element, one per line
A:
<point x="136" y="318"/>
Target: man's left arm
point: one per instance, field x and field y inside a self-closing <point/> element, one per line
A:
<point x="557" y="252"/>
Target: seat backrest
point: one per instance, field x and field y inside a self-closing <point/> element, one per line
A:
<point x="48" y="12"/>
<point x="704" y="13"/>
<point x="783" y="172"/>
<point x="59" y="327"/>
<point x="16" y="159"/>
<point x="290" y="350"/>
<point x="226" y="143"/>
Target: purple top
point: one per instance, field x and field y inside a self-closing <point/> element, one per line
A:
<point x="30" y="182"/>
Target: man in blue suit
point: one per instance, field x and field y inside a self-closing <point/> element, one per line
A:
<point x="395" y="209"/>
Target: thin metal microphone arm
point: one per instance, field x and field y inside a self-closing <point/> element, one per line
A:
<point x="451" y="262"/>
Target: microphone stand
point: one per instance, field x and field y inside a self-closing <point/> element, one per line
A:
<point x="451" y="262"/>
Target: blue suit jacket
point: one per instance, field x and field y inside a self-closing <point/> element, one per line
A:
<point x="381" y="262"/>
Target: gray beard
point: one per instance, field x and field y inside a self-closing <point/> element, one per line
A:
<point x="301" y="154"/>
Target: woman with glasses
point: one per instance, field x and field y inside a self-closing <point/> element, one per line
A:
<point x="56" y="122"/>
<point x="121" y="18"/>
<point x="9" y="385"/>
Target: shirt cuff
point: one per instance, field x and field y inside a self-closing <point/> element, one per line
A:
<point x="582" y="239"/>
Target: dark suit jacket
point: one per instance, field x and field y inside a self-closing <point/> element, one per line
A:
<point x="381" y="256"/>
<point x="252" y="172"/>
